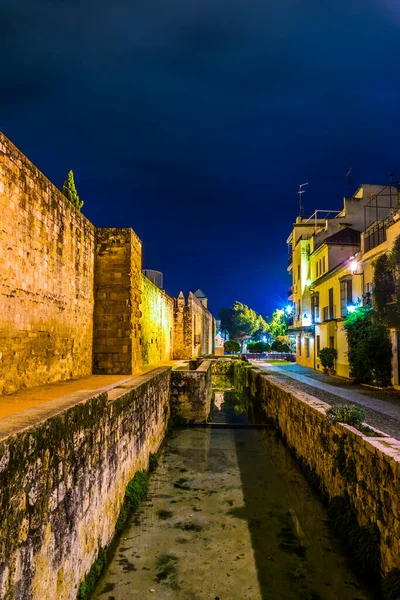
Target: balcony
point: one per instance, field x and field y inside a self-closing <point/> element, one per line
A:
<point x="290" y="292"/>
<point x="376" y="234"/>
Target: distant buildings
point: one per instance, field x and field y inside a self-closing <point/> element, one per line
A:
<point x="330" y="261"/>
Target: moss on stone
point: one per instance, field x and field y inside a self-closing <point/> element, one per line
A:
<point x="88" y="586"/>
<point x="153" y="462"/>
<point x="363" y="541"/>
<point x="134" y="495"/>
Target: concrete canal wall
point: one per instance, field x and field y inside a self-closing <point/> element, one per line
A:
<point x="359" y="475"/>
<point x="64" y="468"/>
<point x="191" y="393"/>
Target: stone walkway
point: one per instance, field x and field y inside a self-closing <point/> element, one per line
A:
<point x="382" y="406"/>
<point x="29" y="398"/>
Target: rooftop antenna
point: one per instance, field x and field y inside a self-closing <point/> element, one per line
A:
<point x="300" y="192"/>
<point x="348" y="176"/>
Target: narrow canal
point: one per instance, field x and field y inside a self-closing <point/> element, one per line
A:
<point x="229" y="516"/>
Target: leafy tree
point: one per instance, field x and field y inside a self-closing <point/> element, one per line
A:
<point x="278" y="324"/>
<point x="245" y="322"/>
<point x="232" y="346"/>
<point x="69" y="191"/>
<point x="226" y="317"/>
<point x="369" y="347"/>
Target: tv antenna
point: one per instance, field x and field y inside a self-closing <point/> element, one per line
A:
<point x="348" y="176"/>
<point x="300" y="192"/>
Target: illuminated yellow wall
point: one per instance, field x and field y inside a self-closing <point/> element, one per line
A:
<point x="157" y="318"/>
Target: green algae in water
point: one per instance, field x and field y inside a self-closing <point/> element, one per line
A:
<point x="163" y="515"/>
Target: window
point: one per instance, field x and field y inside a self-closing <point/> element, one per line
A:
<point x="298" y="310"/>
<point x="315" y="308"/>
<point x="331" y="342"/>
<point x="323" y="264"/>
<point x="346" y="296"/>
<point x="308" y="347"/>
<point x="325" y="313"/>
<point x="318" y="344"/>
<point x="299" y="345"/>
<point x="298" y="272"/>
<point x="331" y="307"/>
<point x="317" y="270"/>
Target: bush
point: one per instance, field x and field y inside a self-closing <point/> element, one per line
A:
<point x="327" y="356"/>
<point x="346" y="413"/>
<point x="232" y="346"/>
<point x="369" y="348"/>
<point x="278" y="346"/>
<point x="258" y="347"/>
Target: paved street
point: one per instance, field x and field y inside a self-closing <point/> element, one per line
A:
<point x="382" y="406"/>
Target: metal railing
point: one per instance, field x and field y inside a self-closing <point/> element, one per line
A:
<point x="376" y="234"/>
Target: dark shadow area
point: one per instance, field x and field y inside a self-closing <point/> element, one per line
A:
<point x="297" y="556"/>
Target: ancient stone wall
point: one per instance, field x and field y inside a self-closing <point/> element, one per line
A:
<point x="118" y="294"/>
<point x="157" y="322"/>
<point x="191" y="393"/>
<point x="46" y="284"/>
<point x="194" y="328"/>
<point x="64" y="468"/>
<point x="348" y="465"/>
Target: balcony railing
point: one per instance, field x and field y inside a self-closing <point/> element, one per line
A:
<point x="289" y="259"/>
<point x="290" y="291"/>
<point x="376" y="234"/>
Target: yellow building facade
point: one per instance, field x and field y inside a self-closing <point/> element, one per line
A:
<point x="331" y="263"/>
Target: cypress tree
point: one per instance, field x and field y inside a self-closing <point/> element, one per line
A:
<point x="69" y="191"/>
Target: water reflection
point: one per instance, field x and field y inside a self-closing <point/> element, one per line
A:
<point x="229" y="516"/>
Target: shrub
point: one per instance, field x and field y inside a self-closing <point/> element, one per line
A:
<point x="346" y="413"/>
<point x="232" y="346"/>
<point x="258" y="347"/>
<point x="369" y="348"/>
<point x="327" y="356"/>
<point x="278" y="346"/>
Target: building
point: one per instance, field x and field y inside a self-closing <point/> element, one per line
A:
<point x="330" y="261"/>
<point x="74" y="300"/>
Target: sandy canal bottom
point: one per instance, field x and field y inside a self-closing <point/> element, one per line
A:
<point x="229" y="516"/>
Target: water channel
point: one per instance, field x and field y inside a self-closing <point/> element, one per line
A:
<point x="229" y="516"/>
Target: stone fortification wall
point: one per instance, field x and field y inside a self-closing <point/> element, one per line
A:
<point x="191" y="393"/>
<point x="351" y="469"/>
<point x="64" y="468"/>
<point x="46" y="284"/>
<point x="118" y="295"/>
<point x="194" y="328"/>
<point x="157" y="322"/>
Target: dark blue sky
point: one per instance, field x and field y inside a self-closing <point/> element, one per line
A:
<point x="194" y="121"/>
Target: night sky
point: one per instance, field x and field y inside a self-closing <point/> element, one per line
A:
<point x="194" y="121"/>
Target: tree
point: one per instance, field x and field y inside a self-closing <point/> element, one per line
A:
<point x="232" y="346"/>
<point x="278" y="324"/>
<point x="69" y="191"/>
<point x="245" y="322"/>
<point x="226" y="317"/>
